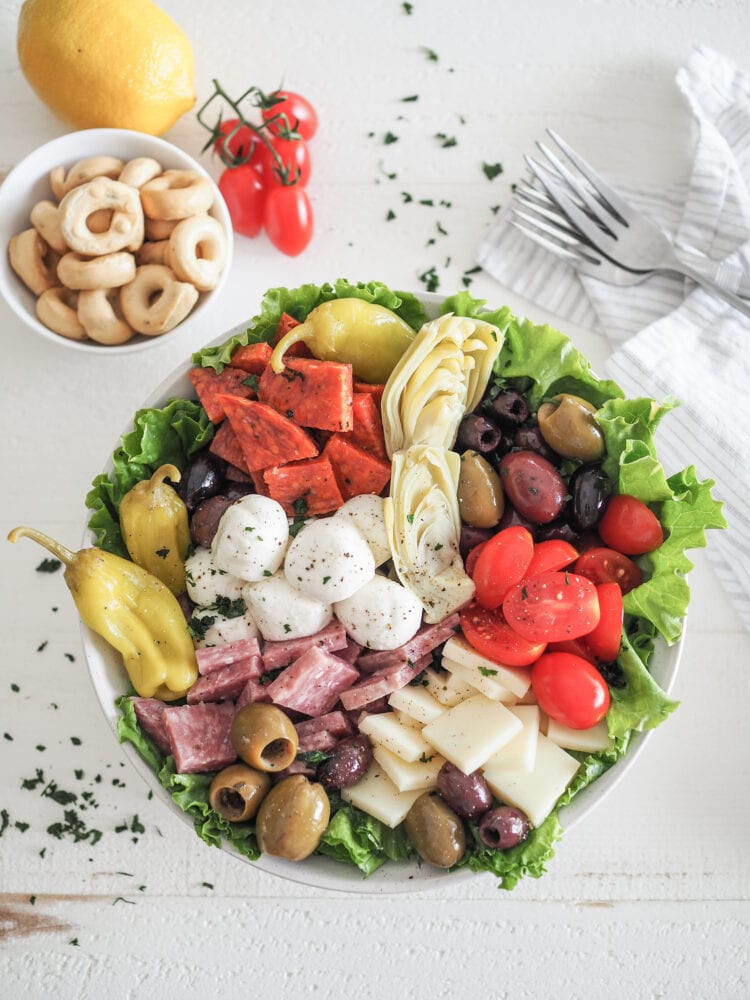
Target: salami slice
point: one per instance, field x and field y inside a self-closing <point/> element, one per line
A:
<point x="150" y="715"/>
<point x="212" y="658"/>
<point x="367" y="432"/>
<point x="313" y="683"/>
<point x="226" y="446"/>
<point x="252" y="358"/>
<point x="285" y="324"/>
<point x="356" y="472"/>
<point x="429" y="637"/>
<point x="280" y="654"/>
<point x="265" y="436"/>
<point x="199" y="736"/>
<point x="227" y="683"/>
<point x="328" y="728"/>
<point x="252" y="691"/>
<point x="382" y="684"/>
<point x="308" y="487"/>
<point x="209" y="385"/>
<point x="312" y="393"/>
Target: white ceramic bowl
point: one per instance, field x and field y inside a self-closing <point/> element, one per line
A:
<point x="109" y="680"/>
<point x="28" y="183"/>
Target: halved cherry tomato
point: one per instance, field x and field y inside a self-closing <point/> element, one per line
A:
<point x="245" y="196"/>
<point x="570" y="690"/>
<point x="576" y="646"/>
<point x="552" y="607"/>
<point x="295" y="158"/>
<point x="602" y="565"/>
<point x="550" y="555"/>
<point x="629" y="526"/>
<point x="240" y="144"/>
<point x="299" y="113"/>
<point x="604" y="639"/>
<point x="471" y="558"/>
<point x="489" y="633"/>
<point x="500" y="565"/>
<point x="288" y="219"/>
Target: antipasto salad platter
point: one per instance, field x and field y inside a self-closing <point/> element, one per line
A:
<point x="380" y="586"/>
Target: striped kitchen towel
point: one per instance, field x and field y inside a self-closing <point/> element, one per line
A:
<point x="669" y="337"/>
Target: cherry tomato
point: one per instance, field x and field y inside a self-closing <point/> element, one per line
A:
<point x="240" y="143"/>
<point x="552" y="607"/>
<point x="570" y="690"/>
<point x="489" y="633"/>
<point x="294" y="155"/>
<point x="501" y="564"/>
<point x="602" y="565"/>
<point x="300" y="115"/>
<point x="245" y="196"/>
<point x="471" y="558"/>
<point x="549" y="555"/>
<point x="576" y="646"/>
<point x="604" y="639"/>
<point x="288" y="219"/>
<point x="629" y="526"/>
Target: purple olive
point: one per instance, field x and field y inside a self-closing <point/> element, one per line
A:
<point x="347" y="764"/>
<point x="510" y="408"/>
<point x="202" y="478"/>
<point x="477" y="433"/>
<point x="468" y="795"/>
<point x="529" y="438"/>
<point x="205" y="520"/>
<point x="503" y="827"/>
<point x="533" y="485"/>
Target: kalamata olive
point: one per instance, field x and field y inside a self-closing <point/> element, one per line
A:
<point x="264" y="737"/>
<point x="202" y="478"/>
<point x="503" y="827"/>
<point x="569" y="427"/>
<point x="470" y="537"/>
<point x="511" y="518"/>
<point x="292" y="818"/>
<point x="478" y="432"/>
<point x="436" y="831"/>
<point x="510" y="408"/>
<point x="237" y="490"/>
<point x="533" y="485"/>
<point x="468" y="795"/>
<point x="589" y="488"/>
<point x="205" y="520"/>
<point x="237" y="792"/>
<point x="480" y="495"/>
<point x="556" y="529"/>
<point x="347" y="764"/>
<point x="529" y="438"/>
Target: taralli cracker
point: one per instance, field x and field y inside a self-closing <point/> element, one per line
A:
<point x="155" y="301"/>
<point x="177" y="194"/>
<point x="101" y="318"/>
<point x="126" y="225"/>
<point x="111" y="270"/>
<point x="198" y="251"/>
<point x="28" y="255"/>
<point x="57" y="309"/>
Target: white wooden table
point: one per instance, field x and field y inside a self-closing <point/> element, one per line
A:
<point x="647" y="898"/>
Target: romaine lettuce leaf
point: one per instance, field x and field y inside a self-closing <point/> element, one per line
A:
<point x="298" y="302"/>
<point x="354" y="837"/>
<point x="530" y="857"/>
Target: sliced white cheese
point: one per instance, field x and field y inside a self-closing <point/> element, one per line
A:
<point x="420" y="775"/>
<point x="515" y="679"/>
<point x="586" y="740"/>
<point x="521" y="751"/>
<point x="480" y="681"/>
<point x="405" y="741"/>
<point x="535" y="792"/>
<point x="376" y="795"/>
<point x="416" y="702"/>
<point x="447" y="688"/>
<point x="407" y="720"/>
<point x="469" y="734"/>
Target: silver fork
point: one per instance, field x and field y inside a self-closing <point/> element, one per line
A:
<point x="603" y="221"/>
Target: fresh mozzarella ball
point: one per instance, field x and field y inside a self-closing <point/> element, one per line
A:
<point x="251" y="538"/>
<point x="366" y="514"/>
<point x="217" y="629"/>
<point x="205" y="582"/>
<point x="329" y="559"/>
<point x="380" y="615"/>
<point x="281" y="612"/>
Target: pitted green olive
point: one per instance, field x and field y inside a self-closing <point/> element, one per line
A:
<point x="480" y="495"/>
<point x="568" y="425"/>
<point x="264" y="737"/>
<point x="292" y="818"/>
<point x="435" y="831"/>
<point x="237" y="792"/>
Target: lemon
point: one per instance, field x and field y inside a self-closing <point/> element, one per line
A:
<point x="107" y="63"/>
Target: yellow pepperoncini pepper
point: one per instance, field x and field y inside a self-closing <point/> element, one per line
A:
<point x="134" y="611"/>
<point x="363" y="334"/>
<point x="155" y="527"/>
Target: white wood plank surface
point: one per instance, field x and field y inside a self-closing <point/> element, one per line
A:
<point x="649" y="896"/>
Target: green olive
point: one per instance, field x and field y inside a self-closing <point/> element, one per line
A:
<point x="480" y="495"/>
<point x="568" y="425"/>
<point x="292" y="818"/>
<point x="264" y="737"/>
<point x="237" y="792"/>
<point x="436" y="831"/>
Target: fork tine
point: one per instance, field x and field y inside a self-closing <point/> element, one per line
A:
<point x="548" y="244"/>
<point x="553" y="239"/>
<point x="557" y="191"/>
<point x="615" y="202"/>
<point x="580" y="187"/>
<point x="544" y="216"/>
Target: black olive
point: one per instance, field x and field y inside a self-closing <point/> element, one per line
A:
<point x="589" y="488"/>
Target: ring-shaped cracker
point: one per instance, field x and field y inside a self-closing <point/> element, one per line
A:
<point x="110" y="270"/>
<point x="126" y="225"/>
<point x="57" y="309"/>
<point x="177" y="194"/>
<point x="100" y="315"/>
<point x="93" y="166"/>
<point x="140" y="171"/>
<point x="29" y="256"/>
<point x="155" y="301"/>
<point x="198" y="251"/>
<point x="156" y="252"/>
<point x="45" y="218"/>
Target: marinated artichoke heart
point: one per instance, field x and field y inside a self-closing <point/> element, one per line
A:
<point x="440" y="377"/>
<point x="424" y="525"/>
